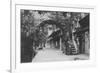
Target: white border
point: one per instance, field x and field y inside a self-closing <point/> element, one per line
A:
<point x="17" y="67"/>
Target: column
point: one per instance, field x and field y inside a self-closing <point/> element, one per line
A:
<point x="60" y="43"/>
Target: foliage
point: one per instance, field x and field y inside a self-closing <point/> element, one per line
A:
<point x="67" y="22"/>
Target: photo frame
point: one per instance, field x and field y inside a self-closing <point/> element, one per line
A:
<point x="17" y="7"/>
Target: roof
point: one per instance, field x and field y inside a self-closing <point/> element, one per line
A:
<point x="55" y="34"/>
<point x="84" y="22"/>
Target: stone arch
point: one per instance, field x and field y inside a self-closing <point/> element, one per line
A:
<point x="56" y="38"/>
<point x="51" y="22"/>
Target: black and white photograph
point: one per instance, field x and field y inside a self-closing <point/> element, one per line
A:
<point x="48" y="36"/>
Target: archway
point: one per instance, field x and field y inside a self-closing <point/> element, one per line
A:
<point x="50" y="22"/>
<point x="54" y="38"/>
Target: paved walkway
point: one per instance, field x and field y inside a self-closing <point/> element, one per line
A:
<point x="50" y="54"/>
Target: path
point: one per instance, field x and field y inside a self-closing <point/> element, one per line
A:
<point x="50" y="54"/>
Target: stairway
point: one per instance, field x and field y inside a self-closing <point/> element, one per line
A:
<point x="73" y="51"/>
